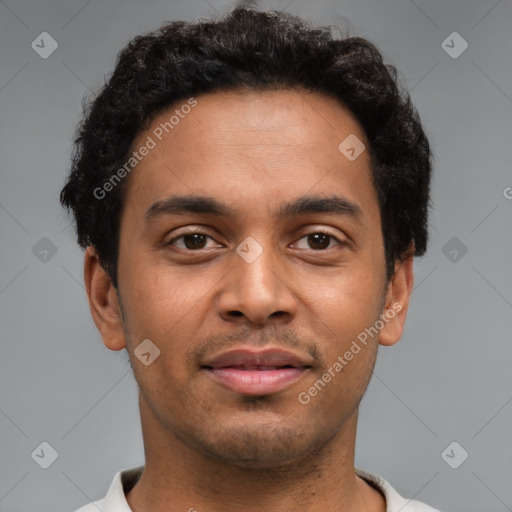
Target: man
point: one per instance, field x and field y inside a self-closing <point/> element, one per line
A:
<point x="251" y="193"/>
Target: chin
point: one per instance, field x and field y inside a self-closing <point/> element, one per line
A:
<point x="259" y="446"/>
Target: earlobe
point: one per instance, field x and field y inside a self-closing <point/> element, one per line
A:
<point x="103" y="302"/>
<point x="397" y="301"/>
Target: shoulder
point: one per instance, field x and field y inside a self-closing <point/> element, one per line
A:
<point x="394" y="501"/>
<point x="92" y="507"/>
<point x="115" y="500"/>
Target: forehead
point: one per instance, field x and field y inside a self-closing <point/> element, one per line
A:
<point x="251" y="145"/>
<point x="291" y="117"/>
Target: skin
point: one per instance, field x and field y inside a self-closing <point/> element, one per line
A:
<point x="207" y="447"/>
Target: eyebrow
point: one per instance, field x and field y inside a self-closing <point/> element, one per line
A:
<point x="193" y="204"/>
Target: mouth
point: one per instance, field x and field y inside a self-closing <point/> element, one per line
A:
<point x="251" y="372"/>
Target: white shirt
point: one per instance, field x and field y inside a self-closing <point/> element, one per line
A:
<point x="115" y="500"/>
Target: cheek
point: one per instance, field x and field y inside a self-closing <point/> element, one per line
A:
<point x="347" y="299"/>
<point x="163" y="287"/>
<point x="343" y="311"/>
<point x="162" y="309"/>
<point x="157" y="301"/>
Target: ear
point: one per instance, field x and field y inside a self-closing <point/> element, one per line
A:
<point x="397" y="300"/>
<point x="103" y="302"/>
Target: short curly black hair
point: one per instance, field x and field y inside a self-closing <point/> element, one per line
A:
<point x="247" y="48"/>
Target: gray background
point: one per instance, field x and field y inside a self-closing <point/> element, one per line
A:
<point x="449" y="378"/>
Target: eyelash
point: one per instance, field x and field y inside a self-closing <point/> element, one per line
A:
<point x="323" y="232"/>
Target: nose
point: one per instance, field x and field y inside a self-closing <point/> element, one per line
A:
<point x="257" y="291"/>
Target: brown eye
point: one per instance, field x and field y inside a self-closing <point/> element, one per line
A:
<point x="319" y="241"/>
<point x="194" y="241"/>
<point x="190" y="241"/>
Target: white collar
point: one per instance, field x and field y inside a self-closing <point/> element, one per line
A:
<point x="125" y="479"/>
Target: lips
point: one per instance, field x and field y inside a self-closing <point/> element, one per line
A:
<point x="253" y="372"/>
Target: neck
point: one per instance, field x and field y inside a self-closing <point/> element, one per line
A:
<point x="178" y="477"/>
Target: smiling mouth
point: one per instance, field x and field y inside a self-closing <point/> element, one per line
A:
<point x="256" y="380"/>
<point x="251" y="367"/>
<point x="257" y="372"/>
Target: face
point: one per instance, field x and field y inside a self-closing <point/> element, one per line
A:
<point x="257" y="282"/>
